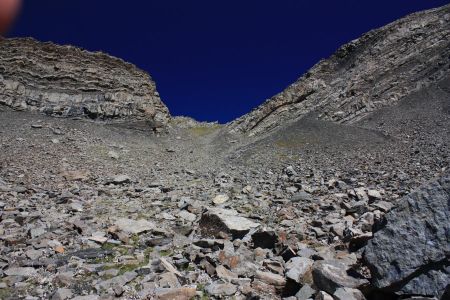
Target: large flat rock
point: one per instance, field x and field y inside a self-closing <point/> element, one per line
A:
<point x="217" y="220"/>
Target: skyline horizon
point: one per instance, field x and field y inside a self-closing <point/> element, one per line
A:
<point x="196" y="102"/>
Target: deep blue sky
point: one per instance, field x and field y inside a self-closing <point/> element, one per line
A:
<point x="212" y="59"/>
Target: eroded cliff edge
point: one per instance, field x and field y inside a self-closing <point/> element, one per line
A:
<point x="69" y="81"/>
<point x="371" y="72"/>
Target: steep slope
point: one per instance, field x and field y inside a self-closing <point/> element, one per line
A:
<point x="109" y="212"/>
<point x="69" y="81"/>
<point x="369" y="73"/>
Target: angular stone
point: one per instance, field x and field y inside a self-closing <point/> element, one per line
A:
<point x="36" y="232"/>
<point x="221" y="289"/>
<point x="185" y="215"/>
<point x="329" y="275"/>
<point x="361" y="194"/>
<point x="88" y="297"/>
<point x="374" y="195"/>
<point x="305" y="293"/>
<point x="302" y="196"/>
<point x="121" y="179"/>
<point x="348" y="294"/>
<point x="113" y="154"/>
<point x="168" y="280"/>
<point x="298" y="267"/>
<point x="76" y="206"/>
<point x="384" y="206"/>
<point x="119" y="281"/>
<point x="220" y="199"/>
<point x="183" y="293"/>
<point x="218" y="220"/>
<point x="169" y="267"/>
<point x="410" y="254"/>
<point x="24" y="272"/>
<point x="91" y="253"/>
<point x="271" y="278"/>
<point x="33" y="254"/>
<point x="225" y="274"/>
<point x="134" y="226"/>
<point x="359" y="241"/>
<point x="323" y="296"/>
<point x="98" y="239"/>
<point x="76" y="175"/>
<point x="265" y="239"/>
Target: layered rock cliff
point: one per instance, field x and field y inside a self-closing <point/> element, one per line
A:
<point x="69" y="81"/>
<point x="374" y="71"/>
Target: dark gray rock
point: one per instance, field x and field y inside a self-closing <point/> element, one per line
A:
<point x="118" y="281"/>
<point x="297" y="267"/>
<point x="411" y="254"/>
<point x="302" y="196"/>
<point x="265" y="239"/>
<point x="306" y="292"/>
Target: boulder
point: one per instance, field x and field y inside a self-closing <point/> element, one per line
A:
<point x="24" y="272"/>
<point x="305" y="293"/>
<point x="218" y="220"/>
<point x="221" y="289"/>
<point x="298" y="267"/>
<point x="329" y="275"/>
<point x="410" y="255"/>
<point x="183" y="293"/>
<point x="134" y="227"/>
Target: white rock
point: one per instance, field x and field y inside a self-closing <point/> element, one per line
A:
<point x="24" y="272"/>
<point x="374" y="195"/>
<point x="185" y="215"/>
<point x="220" y="199"/>
<point x="121" y="179"/>
<point x="113" y="154"/>
<point x="134" y="227"/>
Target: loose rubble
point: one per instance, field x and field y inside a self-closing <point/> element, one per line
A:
<point x="317" y="210"/>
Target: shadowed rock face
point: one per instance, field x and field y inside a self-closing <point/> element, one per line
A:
<point x="69" y="81"/>
<point x="371" y="72"/>
<point x="411" y="255"/>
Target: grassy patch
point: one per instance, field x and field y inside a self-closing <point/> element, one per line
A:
<point x="201" y="288"/>
<point x="165" y="253"/>
<point x="5" y="293"/>
<point x="109" y="246"/>
<point x="130" y="267"/>
<point x="204" y="130"/>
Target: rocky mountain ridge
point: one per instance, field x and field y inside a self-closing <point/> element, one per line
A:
<point x="71" y="82"/>
<point x="369" y="73"/>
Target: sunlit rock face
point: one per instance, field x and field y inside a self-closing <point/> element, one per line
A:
<point x="374" y="71"/>
<point x="68" y="81"/>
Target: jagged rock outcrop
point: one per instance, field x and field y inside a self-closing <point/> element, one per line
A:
<point x="371" y="72"/>
<point x="69" y="81"/>
<point x="411" y="255"/>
